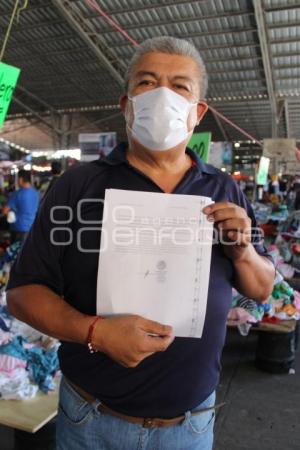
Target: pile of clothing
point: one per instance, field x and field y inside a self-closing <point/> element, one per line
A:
<point x="265" y="212"/>
<point x="282" y="304"/>
<point x="291" y="227"/>
<point x="262" y="212"/>
<point x="28" y="359"/>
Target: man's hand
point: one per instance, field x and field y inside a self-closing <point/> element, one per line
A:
<point x="130" y="339"/>
<point x="234" y="226"/>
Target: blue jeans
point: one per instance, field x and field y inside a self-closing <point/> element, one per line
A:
<point x="80" y="426"/>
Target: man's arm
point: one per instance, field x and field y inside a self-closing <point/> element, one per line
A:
<point x="126" y="339"/>
<point x="254" y="274"/>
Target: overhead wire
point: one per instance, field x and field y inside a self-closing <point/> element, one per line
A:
<point x="26" y="2"/>
<point x="16" y="12"/>
<point x="7" y="34"/>
<point x="111" y="21"/>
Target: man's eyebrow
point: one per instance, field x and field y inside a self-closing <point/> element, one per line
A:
<point x="183" y="77"/>
<point x="142" y="73"/>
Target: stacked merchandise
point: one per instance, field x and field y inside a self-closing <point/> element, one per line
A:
<point x="270" y="216"/>
<point x="28" y="359"/>
<point x="268" y="212"/>
<point x="282" y="304"/>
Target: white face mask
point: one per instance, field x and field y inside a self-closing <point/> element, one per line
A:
<point x="160" y="119"/>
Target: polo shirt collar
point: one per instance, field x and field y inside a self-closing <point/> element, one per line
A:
<point x="118" y="156"/>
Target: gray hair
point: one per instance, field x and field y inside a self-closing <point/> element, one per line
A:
<point x="172" y="46"/>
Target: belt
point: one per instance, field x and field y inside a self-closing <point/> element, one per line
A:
<point x="145" y="422"/>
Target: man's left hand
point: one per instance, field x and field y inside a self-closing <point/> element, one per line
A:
<point x="234" y="227"/>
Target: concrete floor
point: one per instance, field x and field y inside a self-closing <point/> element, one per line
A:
<point x="262" y="410"/>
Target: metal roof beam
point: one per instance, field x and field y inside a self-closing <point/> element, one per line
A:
<point x="283" y="67"/>
<point x="241" y="80"/>
<point x="240" y="58"/>
<point x="266" y="58"/>
<point x="200" y="49"/>
<point x="283" y="7"/>
<point x="185" y="20"/>
<point x="34" y="26"/>
<point x="273" y="26"/>
<point x="289" y="77"/>
<point x="37" y="56"/>
<point x="160" y="5"/>
<point x="285" y="54"/>
<point x="93" y="40"/>
<point x="245" y="69"/>
<point x="37" y="99"/>
<point x="48" y="40"/>
<point x="285" y="41"/>
<point x="35" y="114"/>
<point x="31" y="8"/>
<point x="287" y="119"/>
<point x="95" y="122"/>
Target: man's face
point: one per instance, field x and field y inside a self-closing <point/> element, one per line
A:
<point x="176" y="72"/>
<point x="179" y="73"/>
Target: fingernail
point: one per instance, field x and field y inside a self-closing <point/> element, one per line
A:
<point x="210" y="218"/>
<point x="207" y="209"/>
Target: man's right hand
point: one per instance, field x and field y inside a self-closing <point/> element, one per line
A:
<point x="129" y="339"/>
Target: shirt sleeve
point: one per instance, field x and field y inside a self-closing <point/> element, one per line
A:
<point x="40" y="259"/>
<point x="235" y="195"/>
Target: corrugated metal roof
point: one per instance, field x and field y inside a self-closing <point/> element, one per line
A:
<point x="62" y="69"/>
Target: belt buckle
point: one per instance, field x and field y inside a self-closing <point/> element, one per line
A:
<point x="148" y="423"/>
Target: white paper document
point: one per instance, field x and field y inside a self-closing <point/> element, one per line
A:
<point x="154" y="258"/>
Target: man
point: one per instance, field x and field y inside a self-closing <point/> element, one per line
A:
<point x="139" y="387"/>
<point x="24" y="203"/>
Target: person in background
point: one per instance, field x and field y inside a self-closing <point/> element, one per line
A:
<point x="23" y="203"/>
<point x="56" y="170"/>
<point x="282" y="187"/>
<point x="297" y="200"/>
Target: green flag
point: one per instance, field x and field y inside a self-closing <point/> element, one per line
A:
<point x="200" y="144"/>
<point x="8" y="79"/>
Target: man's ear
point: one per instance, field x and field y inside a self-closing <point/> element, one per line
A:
<point x="123" y="102"/>
<point x="202" y="108"/>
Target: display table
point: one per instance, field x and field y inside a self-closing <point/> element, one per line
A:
<point x="29" y="415"/>
<point x="285" y="326"/>
<point x="276" y="345"/>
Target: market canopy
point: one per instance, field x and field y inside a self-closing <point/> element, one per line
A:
<point x="73" y="60"/>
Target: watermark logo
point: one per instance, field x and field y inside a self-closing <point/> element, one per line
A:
<point x="133" y="233"/>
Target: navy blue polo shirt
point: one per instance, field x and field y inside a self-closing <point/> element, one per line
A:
<point x="165" y="384"/>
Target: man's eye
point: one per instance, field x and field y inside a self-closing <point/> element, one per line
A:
<point x="145" y="82"/>
<point x="181" y="86"/>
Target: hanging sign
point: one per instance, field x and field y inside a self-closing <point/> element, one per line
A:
<point x="8" y="79"/>
<point x="200" y="144"/>
<point x="263" y="169"/>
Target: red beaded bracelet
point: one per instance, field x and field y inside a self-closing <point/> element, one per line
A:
<point x="89" y="338"/>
